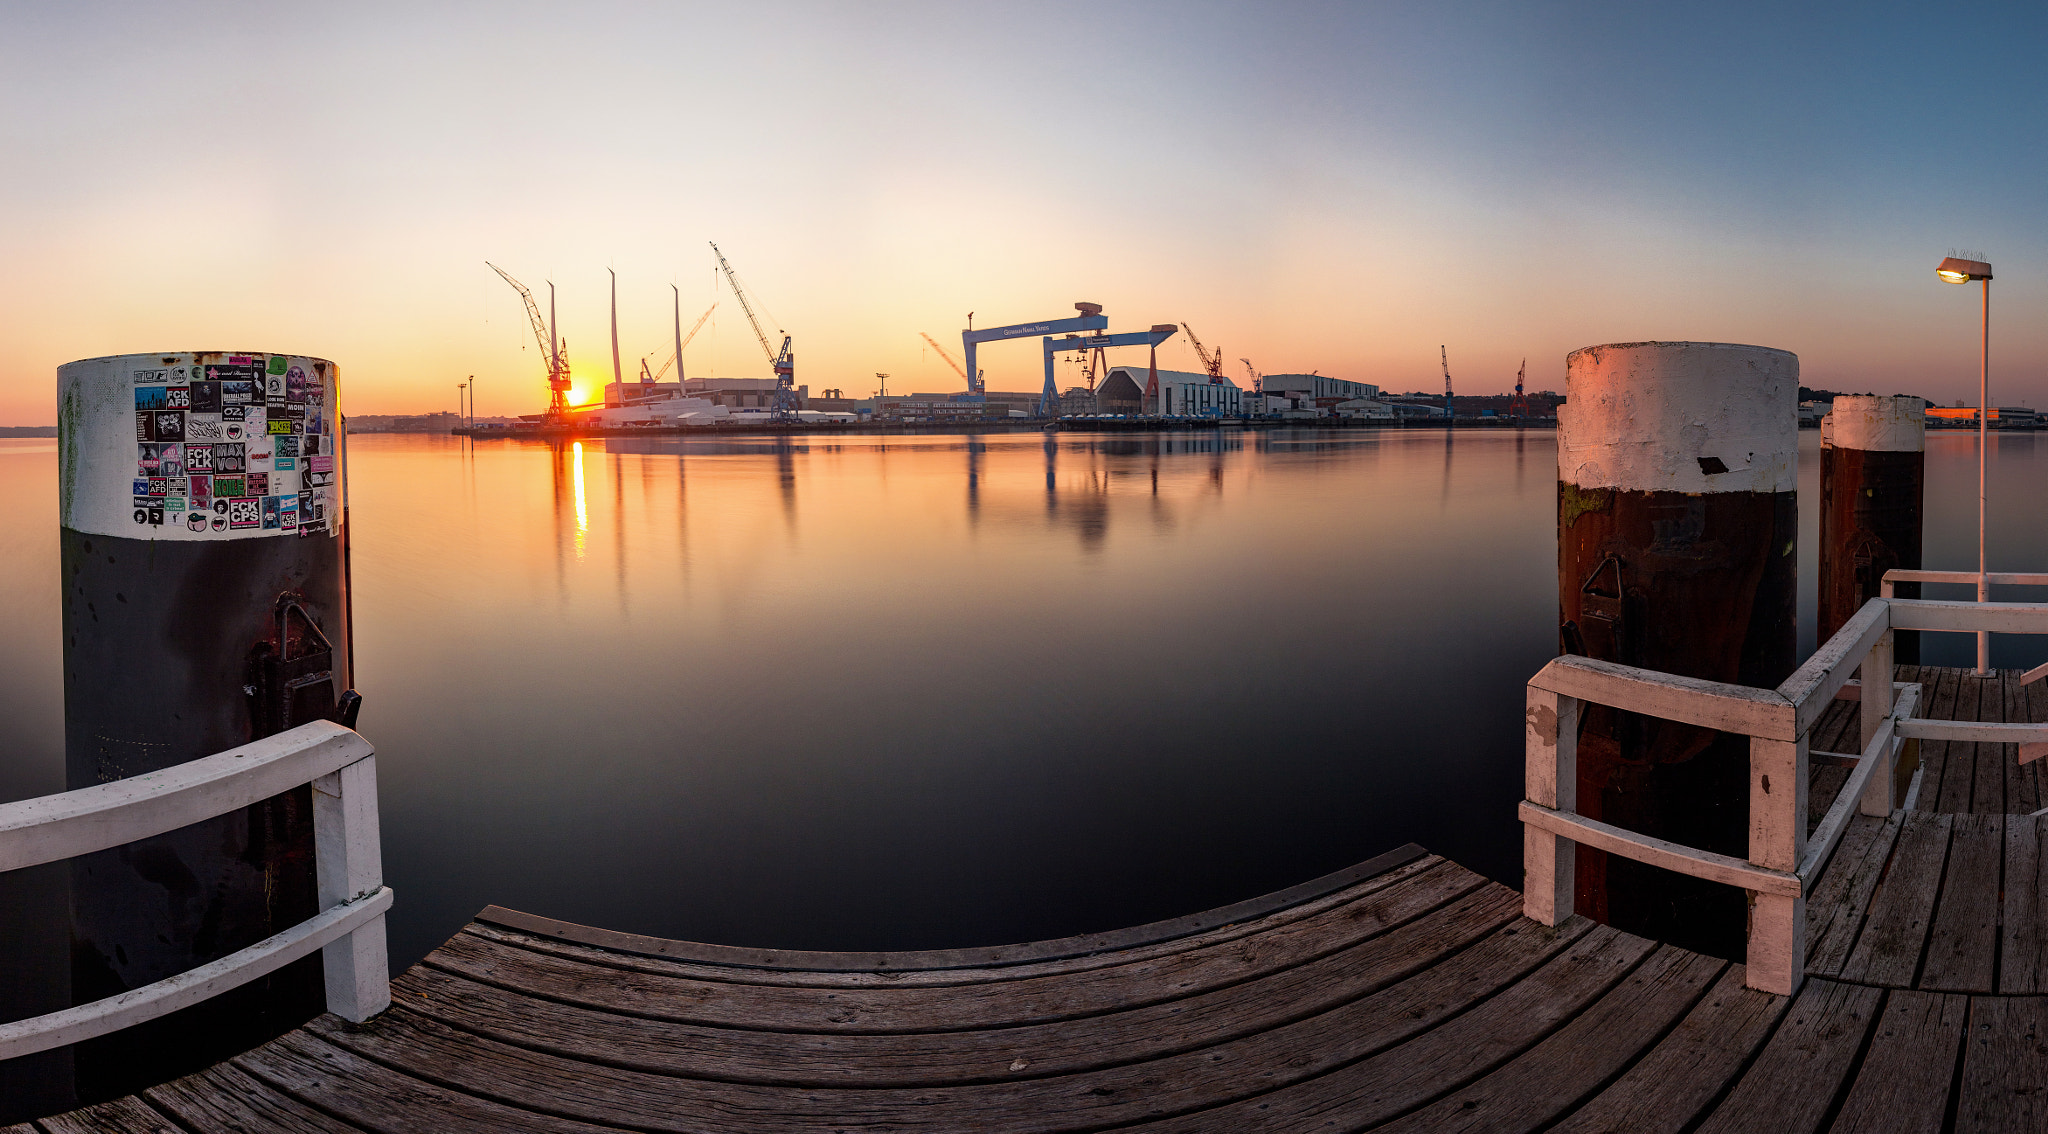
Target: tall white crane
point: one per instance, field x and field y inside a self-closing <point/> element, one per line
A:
<point x="784" y="363"/>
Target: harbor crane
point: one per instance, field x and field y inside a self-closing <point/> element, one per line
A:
<point x="949" y="359"/>
<point x="554" y="352"/>
<point x="1519" y="408"/>
<point x="783" y="363"/>
<point x="1445" y="352"/>
<point x="651" y="378"/>
<point x="1258" y="380"/>
<point x="1212" y="361"/>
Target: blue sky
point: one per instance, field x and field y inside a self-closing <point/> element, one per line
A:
<point x="1316" y="187"/>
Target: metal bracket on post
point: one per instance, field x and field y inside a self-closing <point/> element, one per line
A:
<point x="350" y="865"/>
<point x="1551" y="771"/>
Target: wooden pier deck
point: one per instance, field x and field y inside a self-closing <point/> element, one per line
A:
<point x="1407" y="994"/>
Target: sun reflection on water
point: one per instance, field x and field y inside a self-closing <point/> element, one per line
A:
<point x="582" y="506"/>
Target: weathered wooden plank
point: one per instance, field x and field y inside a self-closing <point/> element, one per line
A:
<point x="1894" y="934"/>
<point x="765" y="961"/>
<point x="1690" y="1068"/>
<point x="799" y="1059"/>
<point x="1793" y="1082"/>
<point x="1186" y="1082"/>
<point x="2005" y="1078"/>
<point x="1710" y="865"/>
<point x="121" y="1116"/>
<point x="377" y="1098"/>
<point x="1835" y="913"/>
<point x="1963" y="946"/>
<point x="1902" y="1086"/>
<point x="1945" y="615"/>
<point x="1572" y="1062"/>
<point x="649" y="959"/>
<point x="1374" y="1090"/>
<point x="921" y="1009"/>
<point x="1953" y="691"/>
<point x="1690" y="700"/>
<point x="226" y="1098"/>
<point x="2023" y="919"/>
<point x="1987" y="794"/>
<point x="2037" y="711"/>
<point x="2021" y="798"/>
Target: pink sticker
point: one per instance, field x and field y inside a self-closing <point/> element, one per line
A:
<point x="322" y="463"/>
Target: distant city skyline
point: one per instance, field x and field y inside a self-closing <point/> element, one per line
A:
<point x="1315" y="187"/>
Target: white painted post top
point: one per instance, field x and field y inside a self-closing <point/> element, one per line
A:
<point x="1680" y="417"/>
<point x="200" y="445"/>
<point x="1893" y="423"/>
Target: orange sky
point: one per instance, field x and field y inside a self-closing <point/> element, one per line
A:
<point x="1333" y="189"/>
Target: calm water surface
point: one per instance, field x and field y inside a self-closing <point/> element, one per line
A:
<point x="886" y="693"/>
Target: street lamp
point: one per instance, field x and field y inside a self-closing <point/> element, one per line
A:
<point x="1959" y="271"/>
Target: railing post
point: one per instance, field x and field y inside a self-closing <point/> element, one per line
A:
<point x="1551" y="775"/>
<point x="350" y="864"/>
<point x="1777" y="841"/>
<point x="1880" y="791"/>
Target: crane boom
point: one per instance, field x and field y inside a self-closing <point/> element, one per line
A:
<point x="1445" y="352"/>
<point x="784" y="364"/>
<point x="698" y="326"/>
<point x="744" y="305"/>
<point x="1211" y="361"/>
<point x="944" y="355"/>
<point x="551" y="352"/>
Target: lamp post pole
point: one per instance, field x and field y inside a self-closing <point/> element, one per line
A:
<point x="1983" y="451"/>
<point x="1957" y="270"/>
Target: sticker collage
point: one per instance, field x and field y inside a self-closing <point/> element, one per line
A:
<point x="242" y="444"/>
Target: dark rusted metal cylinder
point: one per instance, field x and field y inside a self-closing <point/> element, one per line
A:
<point x="1873" y="488"/>
<point x="205" y="562"/>
<point x="1677" y="537"/>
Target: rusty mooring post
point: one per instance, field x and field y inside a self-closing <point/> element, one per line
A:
<point x="1677" y="520"/>
<point x="1873" y="486"/>
<point x="204" y="550"/>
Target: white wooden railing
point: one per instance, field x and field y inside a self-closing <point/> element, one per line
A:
<point x="1990" y="579"/>
<point x="1783" y="863"/>
<point x="348" y="930"/>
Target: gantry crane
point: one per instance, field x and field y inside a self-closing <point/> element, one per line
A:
<point x="553" y="352"/>
<point x="1212" y="361"/>
<point x="784" y="363"/>
<point x="655" y="376"/>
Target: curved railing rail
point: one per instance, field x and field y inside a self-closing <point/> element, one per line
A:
<point x="1783" y="862"/>
<point x="348" y="930"/>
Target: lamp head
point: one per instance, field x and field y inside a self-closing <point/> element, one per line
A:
<point x="1957" y="270"/>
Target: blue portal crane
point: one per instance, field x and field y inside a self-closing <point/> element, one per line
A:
<point x="1090" y="319"/>
<point x="1160" y="332"/>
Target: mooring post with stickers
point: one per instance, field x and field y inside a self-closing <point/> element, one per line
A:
<point x="1677" y="526"/>
<point x="206" y="603"/>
